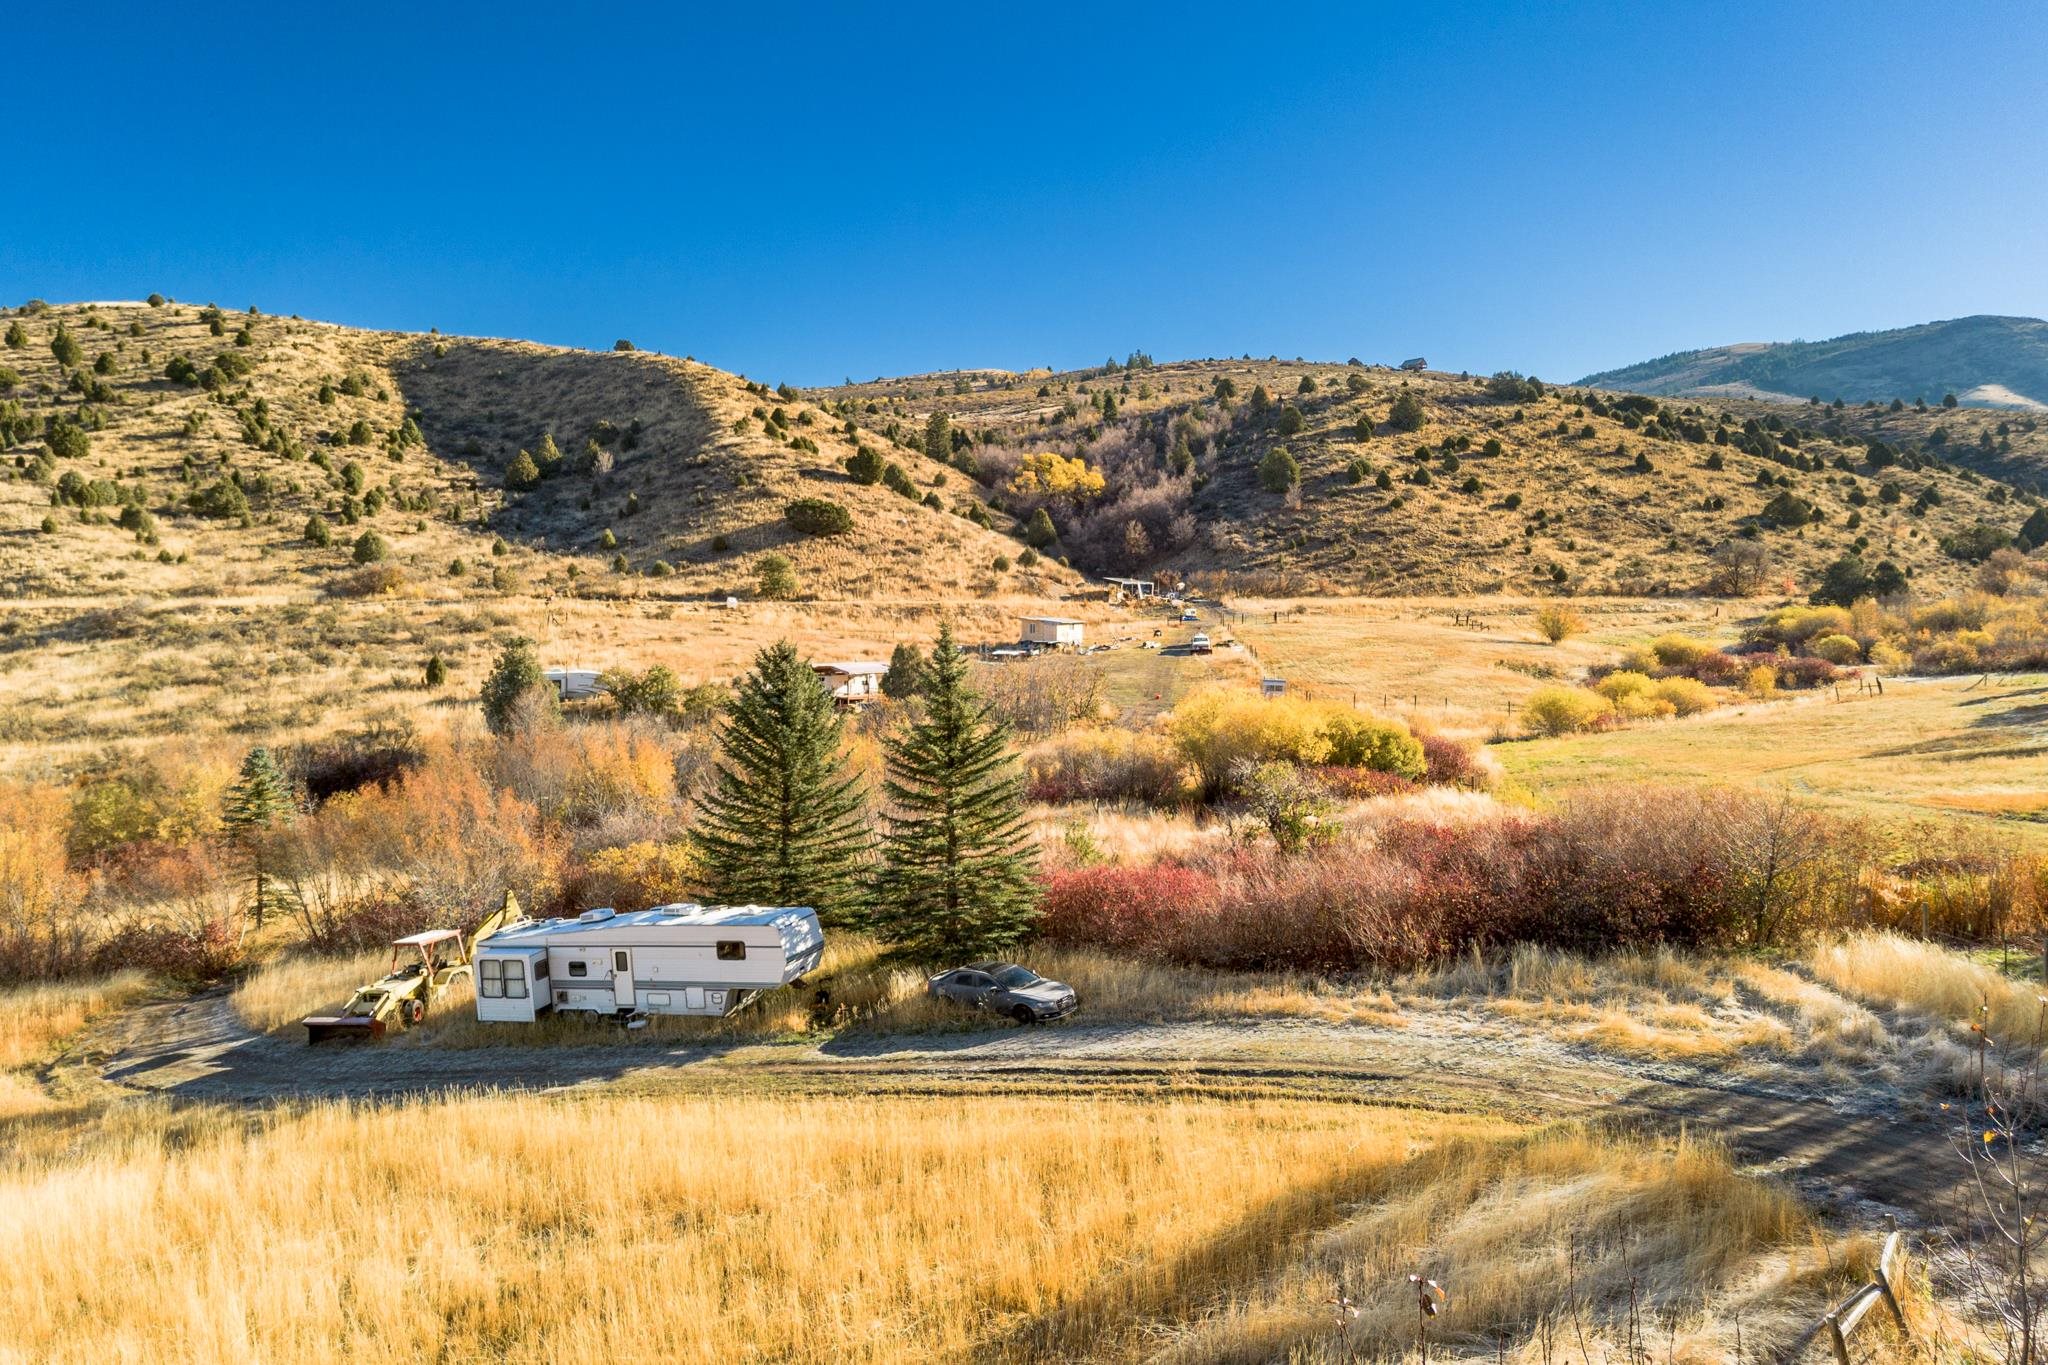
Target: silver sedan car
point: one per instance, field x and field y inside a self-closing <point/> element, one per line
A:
<point x="1005" y="988"/>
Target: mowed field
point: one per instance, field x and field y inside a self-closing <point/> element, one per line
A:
<point x="1925" y="746"/>
<point x="1933" y="746"/>
<point x="1463" y="666"/>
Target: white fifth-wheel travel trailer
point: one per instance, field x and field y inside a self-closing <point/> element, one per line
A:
<point x="673" y="959"/>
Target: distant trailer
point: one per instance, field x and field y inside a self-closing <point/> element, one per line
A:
<point x="673" y="959"/>
<point x="1140" y="588"/>
<point x="1057" y="632"/>
<point x="852" y="682"/>
<point x="1418" y="363"/>
<point x="1272" y="687"/>
<point x="573" y="684"/>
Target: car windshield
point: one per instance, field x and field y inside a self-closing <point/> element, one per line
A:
<point x="1014" y="977"/>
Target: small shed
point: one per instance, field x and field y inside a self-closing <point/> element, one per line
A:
<point x="1418" y="363"/>
<point x="1140" y="588"/>
<point x="1272" y="687"/>
<point x="851" y="681"/>
<point x="1057" y="632"/>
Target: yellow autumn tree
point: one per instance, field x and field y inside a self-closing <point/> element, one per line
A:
<point x="1047" y="473"/>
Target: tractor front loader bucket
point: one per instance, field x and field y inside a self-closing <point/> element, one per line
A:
<point x="321" y="1027"/>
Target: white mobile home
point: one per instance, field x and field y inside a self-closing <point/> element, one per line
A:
<point x="1058" y="632"/>
<point x="673" y="959"/>
<point x="573" y="684"/>
<point x="853" y="681"/>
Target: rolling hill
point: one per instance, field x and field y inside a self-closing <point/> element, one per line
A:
<point x="177" y="449"/>
<point x="179" y="452"/>
<point x="1482" y="486"/>
<point x="1983" y="360"/>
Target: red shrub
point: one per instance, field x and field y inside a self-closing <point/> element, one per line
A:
<point x="1718" y="668"/>
<point x="201" y="951"/>
<point x="1805" y="671"/>
<point x="1451" y="764"/>
<point x="1602" y="873"/>
<point x="1134" y="909"/>
<point x="1359" y="784"/>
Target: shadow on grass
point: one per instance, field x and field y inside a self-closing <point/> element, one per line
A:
<point x="1250" y="1249"/>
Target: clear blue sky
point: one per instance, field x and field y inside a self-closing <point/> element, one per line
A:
<point x="810" y="193"/>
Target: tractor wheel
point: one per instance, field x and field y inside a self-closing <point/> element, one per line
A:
<point x="415" y="1013"/>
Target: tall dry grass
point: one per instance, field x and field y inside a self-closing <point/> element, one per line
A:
<point x="1951" y="992"/>
<point x="1914" y="974"/>
<point x="1540" y="1236"/>
<point x="287" y="988"/>
<point x="34" y="1019"/>
<point x="771" y="1229"/>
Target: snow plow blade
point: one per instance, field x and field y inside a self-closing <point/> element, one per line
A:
<point x="322" y="1027"/>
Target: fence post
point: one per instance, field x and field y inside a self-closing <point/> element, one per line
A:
<point x="1884" y="1280"/>
<point x="1841" y="1345"/>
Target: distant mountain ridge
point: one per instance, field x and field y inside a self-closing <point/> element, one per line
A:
<point x="1984" y="360"/>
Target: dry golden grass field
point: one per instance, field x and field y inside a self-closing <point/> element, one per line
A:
<point x="1927" y="747"/>
<point x="1463" y="665"/>
<point x="991" y="1224"/>
<point x="528" y="1228"/>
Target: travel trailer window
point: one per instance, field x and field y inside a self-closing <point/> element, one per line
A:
<point x="515" y="980"/>
<point x="731" y="950"/>
<point x="579" y="969"/>
<point x="540" y="970"/>
<point x="490" y="978"/>
<point x="620" y="962"/>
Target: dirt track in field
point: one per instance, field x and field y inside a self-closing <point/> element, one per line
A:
<point x="1857" y="1150"/>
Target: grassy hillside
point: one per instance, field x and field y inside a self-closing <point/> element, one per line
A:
<point x="1478" y="488"/>
<point x="1994" y="361"/>
<point x="672" y="481"/>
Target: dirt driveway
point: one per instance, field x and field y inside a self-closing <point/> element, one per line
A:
<point x="1854" y="1150"/>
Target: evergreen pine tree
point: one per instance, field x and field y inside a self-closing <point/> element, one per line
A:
<point x="938" y="437"/>
<point x="958" y="870"/>
<point x="784" y="822"/>
<point x="906" y="675"/>
<point x="258" y="803"/>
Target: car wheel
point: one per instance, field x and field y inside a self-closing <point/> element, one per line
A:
<point x="1022" y="1014"/>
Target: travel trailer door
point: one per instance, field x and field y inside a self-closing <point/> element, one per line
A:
<point x="622" y="978"/>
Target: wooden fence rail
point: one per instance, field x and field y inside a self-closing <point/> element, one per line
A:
<point x="1840" y="1323"/>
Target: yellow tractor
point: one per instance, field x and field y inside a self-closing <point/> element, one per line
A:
<point x="401" y="998"/>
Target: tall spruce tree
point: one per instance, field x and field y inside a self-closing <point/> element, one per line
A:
<point x="958" y="869"/>
<point x="259" y="802"/>
<point x="784" y="822"/>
